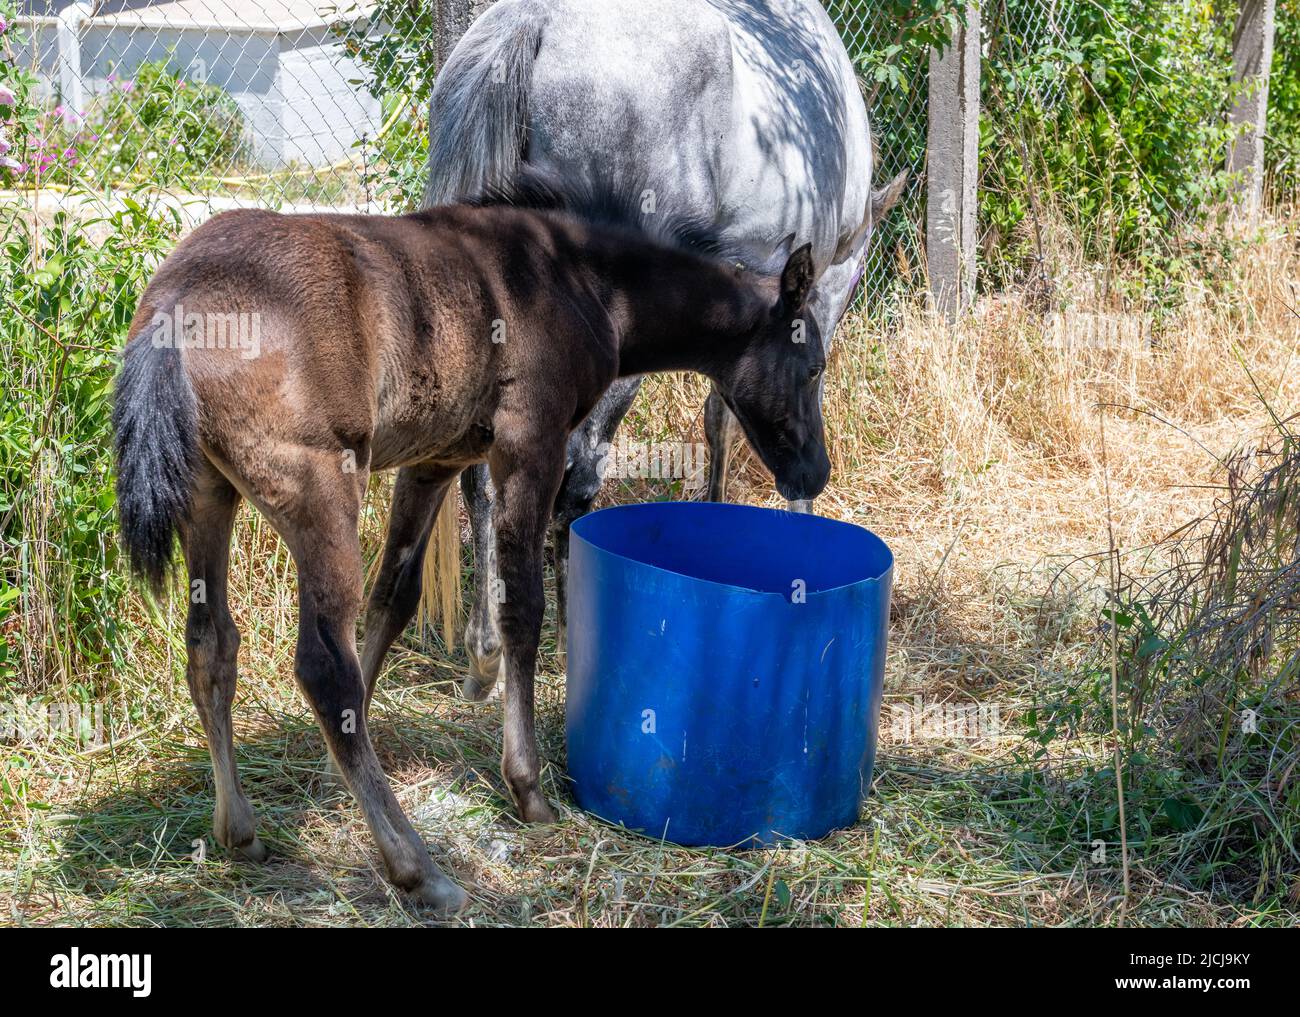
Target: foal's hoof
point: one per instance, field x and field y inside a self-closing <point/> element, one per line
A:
<point x="534" y="808"/>
<point x="484" y="673"/>
<point x="440" y="894"/>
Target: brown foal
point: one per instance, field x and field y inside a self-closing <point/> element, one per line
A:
<point x="425" y="342"/>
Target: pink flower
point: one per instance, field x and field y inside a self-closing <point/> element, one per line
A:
<point x="12" y="164"/>
<point x="7" y="97"/>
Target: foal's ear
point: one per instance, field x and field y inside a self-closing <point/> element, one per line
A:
<point x="797" y="281"/>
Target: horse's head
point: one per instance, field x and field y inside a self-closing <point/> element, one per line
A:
<point x="774" y="386"/>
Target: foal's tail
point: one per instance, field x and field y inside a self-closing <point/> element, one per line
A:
<point x="155" y="427"/>
<point x="478" y="116"/>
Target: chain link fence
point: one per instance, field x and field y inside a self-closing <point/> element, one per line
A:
<point x="304" y="105"/>
<point x="312" y="104"/>
<point x="890" y="44"/>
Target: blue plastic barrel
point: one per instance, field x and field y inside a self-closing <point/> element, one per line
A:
<point x="725" y="670"/>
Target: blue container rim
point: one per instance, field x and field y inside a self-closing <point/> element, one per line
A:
<point x="877" y="544"/>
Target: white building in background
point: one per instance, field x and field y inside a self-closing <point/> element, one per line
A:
<point x="278" y="59"/>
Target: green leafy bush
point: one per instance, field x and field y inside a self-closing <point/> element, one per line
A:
<point x="1282" y="149"/>
<point x="154" y="126"/>
<point x="1118" y="126"/>
<point x="68" y="290"/>
<point x="68" y="301"/>
<point x="400" y="64"/>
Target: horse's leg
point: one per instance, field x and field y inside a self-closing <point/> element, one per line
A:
<point x="323" y="538"/>
<point x="483" y="631"/>
<point x="582" y="482"/>
<point x="720" y="428"/>
<point x="212" y="648"/>
<point x="527" y="480"/>
<point x="417" y="496"/>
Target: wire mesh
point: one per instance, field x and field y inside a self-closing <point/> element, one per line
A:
<point x="309" y="104"/>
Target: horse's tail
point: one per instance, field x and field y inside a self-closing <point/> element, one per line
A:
<point x="478" y="116"/>
<point x="440" y="580"/>
<point x="155" y="427"/>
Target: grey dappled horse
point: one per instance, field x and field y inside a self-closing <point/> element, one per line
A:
<point x="742" y="113"/>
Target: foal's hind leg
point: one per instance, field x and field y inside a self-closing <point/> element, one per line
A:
<point x="417" y="496"/>
<point x="720" y="427"/>
<point x="212" y="646"/>
<point x="324" y="541"/>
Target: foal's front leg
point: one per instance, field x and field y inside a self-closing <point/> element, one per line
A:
<point x="526" y="480"/>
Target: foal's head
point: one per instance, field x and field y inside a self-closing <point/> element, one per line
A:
<point x="774" y="386"/>
<point x="765" y="351"/>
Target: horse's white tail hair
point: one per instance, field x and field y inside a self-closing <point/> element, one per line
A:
<point x="478" y="116"/>
<point x="478" y="125"/>
<point x="440" y="578"/>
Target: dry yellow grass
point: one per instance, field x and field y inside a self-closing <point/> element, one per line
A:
<point x="976" y="451"/>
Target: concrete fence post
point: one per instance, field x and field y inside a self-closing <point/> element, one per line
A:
<point x="1252" y="59"/>
<point x="952" y="162"/>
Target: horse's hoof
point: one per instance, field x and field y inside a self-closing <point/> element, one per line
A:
<point x="329" y="781"/>
<point x="440" y="894"/>
<point x="330" y="774"/>
<point x="254" y="851"/>
<point x="484" y="673"/>
<point x="473" y="691"/>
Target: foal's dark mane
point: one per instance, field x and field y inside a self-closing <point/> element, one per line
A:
<point x="611" y="206"/>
